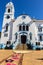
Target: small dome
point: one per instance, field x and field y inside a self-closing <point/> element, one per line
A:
<point x="23" y="17"/>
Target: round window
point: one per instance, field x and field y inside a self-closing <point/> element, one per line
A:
<point x="8" y="17"/>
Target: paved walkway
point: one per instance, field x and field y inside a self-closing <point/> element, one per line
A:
<point x="21" y="57"/>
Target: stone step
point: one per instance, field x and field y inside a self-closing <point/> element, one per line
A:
<point x="21" y="47"/>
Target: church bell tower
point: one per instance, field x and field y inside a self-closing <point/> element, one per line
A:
<point x="8" y="16"/>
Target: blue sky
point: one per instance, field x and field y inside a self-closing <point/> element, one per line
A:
<point x="34" y="8"/>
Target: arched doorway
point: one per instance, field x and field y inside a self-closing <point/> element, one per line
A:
<point x="23" y="39"/>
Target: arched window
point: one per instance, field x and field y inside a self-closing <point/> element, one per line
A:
<point x="16" y="35"/>
<point x="8" y="10"/>
<point x="40" y="37"/>
<point x="23" y="27"/>
<point x="6" y="27"/>
<point x="40" y="29"/>
<point x="20" y="27"/>
<point x="30" y="36"/>
<point x="27" y="27"/>
<point x="37" y="43"/>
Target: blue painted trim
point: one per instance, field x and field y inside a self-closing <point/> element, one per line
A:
<point x="23" y="33"/>
<point x="40" y="34"/>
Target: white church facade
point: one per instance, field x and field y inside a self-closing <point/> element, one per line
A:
<point x="22" y="30"/>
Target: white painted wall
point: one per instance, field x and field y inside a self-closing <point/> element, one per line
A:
<point x="18" y="21"/>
